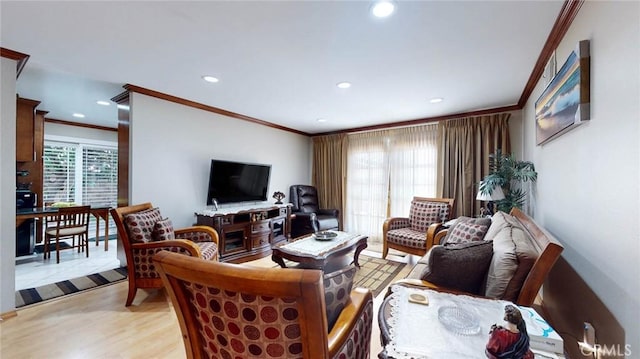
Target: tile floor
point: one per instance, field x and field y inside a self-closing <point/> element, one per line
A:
<point x="33" y="271"/>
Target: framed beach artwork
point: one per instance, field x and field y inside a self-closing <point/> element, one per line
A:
<point x="564" y="104"/>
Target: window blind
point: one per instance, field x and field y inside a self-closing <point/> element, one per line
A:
<point x="81" y="173"/>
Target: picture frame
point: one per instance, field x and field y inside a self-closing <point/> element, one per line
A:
<point x="565" y="102"/>
<point x="550" y="69"/>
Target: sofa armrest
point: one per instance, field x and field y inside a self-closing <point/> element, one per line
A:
<point x="358" y="312"/>
<point x="329" y="212"/>
<point x="197" y="234"/>
<point x="435" y="233"/>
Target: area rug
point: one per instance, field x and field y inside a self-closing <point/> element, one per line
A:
<point x="49" y="291"/>
<point x="376" y="273"/>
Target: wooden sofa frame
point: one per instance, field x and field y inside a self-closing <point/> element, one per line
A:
<point x="547" y="247"/>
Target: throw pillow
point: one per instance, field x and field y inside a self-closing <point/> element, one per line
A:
<point x="139" y="225"/>
<point x="498" y="222"/>
<point x="337" y="290"/>
<point x="459" y="266"/>
<point x="163" y="230"/>
<point x="424" y="214"/>
<point x="467" y="229"/>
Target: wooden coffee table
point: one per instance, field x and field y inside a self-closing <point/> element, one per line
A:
<point x="328" y="256"/>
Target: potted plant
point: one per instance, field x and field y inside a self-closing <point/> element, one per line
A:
<point x="508" y="173"/>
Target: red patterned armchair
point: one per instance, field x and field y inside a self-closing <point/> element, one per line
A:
<point x="238" y="311"/>
<point x="143" y="232"/>
<point x="409" y="235"/>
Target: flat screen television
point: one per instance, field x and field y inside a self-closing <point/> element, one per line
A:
<point x="231" y="182"/>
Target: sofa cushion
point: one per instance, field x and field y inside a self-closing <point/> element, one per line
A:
<point x="467" y="229"/>
<point x="140" y="225"/>
<point x="337" y="289"/>
<point x="527" y="256"/>
<point x="163" y="230"/>
<point x="504" y="263"/>
<point x="459" y="266"/>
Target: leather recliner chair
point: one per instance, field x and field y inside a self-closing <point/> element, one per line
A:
<point x="309" y="218"/>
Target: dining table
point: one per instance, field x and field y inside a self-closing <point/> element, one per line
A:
<point x="99" y="212"/>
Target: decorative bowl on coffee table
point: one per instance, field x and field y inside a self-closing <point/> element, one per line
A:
<point x="325" y="235"/>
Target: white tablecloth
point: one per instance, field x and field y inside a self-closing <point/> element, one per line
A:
<point x="416" y="331"/>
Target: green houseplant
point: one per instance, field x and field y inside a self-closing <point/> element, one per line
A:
<point x="508" y="173"/>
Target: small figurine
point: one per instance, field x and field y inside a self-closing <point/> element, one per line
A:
<point x="278" y="196"/>
<point x="510" y="341"/>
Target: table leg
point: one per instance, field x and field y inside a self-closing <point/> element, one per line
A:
<point x="359" y="249"/>
<point x="106" y="232"/>
<point x="97" y="230"/>
<point x="278" y="260"/>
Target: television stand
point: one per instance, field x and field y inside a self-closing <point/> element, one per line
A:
<point x="247" y="234"/>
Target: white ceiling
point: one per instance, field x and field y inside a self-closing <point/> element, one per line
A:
<point x="280" y="61"/>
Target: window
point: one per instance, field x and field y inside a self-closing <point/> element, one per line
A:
<point x="385" y="170"/>
<point x="81" y="173"/>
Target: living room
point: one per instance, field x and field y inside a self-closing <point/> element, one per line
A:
<point x="577" y="171"/>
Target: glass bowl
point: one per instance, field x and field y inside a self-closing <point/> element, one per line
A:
<point x="458" y="320"/>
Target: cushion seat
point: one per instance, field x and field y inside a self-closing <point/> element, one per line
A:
<point x="407" y="237"/>
<point x="70" y="231"/>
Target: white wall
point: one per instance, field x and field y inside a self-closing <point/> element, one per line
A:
<point x="57" y="129"/>
<point x="7" y="184"/>
<point x="589" y="183"/>
<point x="172" y="146"/>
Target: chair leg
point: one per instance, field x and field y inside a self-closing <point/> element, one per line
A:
<point x="57" y="250"/>
<point x="86" y="243"/>
<point x="385" y="249"/>
<point x="46" y="247"/>
<point x="132" y="292"/>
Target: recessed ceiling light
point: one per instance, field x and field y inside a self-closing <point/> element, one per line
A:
<point x="78" y="115"/>
<point x="210" y="78"/>
<point x="344" y="85"/>
<point x="383" y="8"/>
<point x="322" y="120"/>
<point x="103" y="103"/>
<point x="436" y="100"/>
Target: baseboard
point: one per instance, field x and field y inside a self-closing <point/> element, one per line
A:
<point x="7" y="315"/>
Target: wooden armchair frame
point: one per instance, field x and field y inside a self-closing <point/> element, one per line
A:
<point x="403" y="222"/>
<point x="304" y="286"/>
<point x="187" y="245"/>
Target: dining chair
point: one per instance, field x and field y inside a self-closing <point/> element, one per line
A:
<point x="67" y="222"/>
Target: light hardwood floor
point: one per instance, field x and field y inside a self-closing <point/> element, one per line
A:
<point x="96" y="324"/>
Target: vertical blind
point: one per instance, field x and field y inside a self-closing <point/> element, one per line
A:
<point x="81" y="173"/>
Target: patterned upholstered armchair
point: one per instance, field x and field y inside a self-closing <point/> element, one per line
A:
<point x="144" y="232"/>
<point x="238" y="311"/>
<point x="409" y="235"/>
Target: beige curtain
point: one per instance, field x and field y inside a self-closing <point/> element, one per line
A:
<point x="328" y="171"/>
<point x="465" y="145"/>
